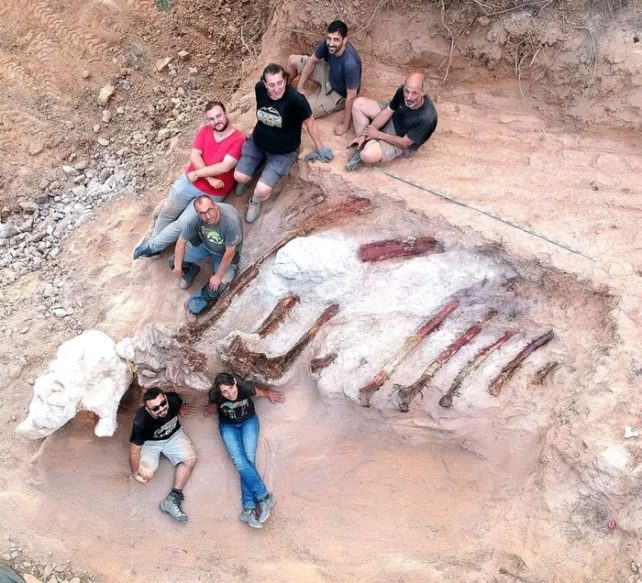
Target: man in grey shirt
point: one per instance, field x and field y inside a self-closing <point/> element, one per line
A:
<point x="216" y="232"/>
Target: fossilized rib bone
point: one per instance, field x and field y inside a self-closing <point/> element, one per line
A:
<point x="259" y="366"/>
<point x="318" y="364"/>
<point x="411" y="343"/>
<point x="323" y="217"/>
<point x="472" y="365"/>
<point x="277" y="315"/>
<point x="381" y="250"/>
<point x="540" y="376"/>
<point x="513" y="366"/>
<point x="405" y="395"/>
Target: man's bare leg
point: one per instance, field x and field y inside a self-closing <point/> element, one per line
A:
<point x="364" y="110"/>
<point x="182" y="473"/>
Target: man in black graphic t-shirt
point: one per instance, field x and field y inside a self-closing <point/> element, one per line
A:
<point x="280" y="113"/>
<point x="398" y="129"/>
<point x="156" y="429"/>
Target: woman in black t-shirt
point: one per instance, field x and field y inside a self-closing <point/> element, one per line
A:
<point x="238" y="425"/>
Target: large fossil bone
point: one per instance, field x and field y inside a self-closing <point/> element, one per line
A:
<point x="405" y="395"/>
<point x="472" y="365"/>
<point x="324" y="216"/>
<point x="263" y="368"/>
<point x="410" y="345"/>
<point x="540" y="376"/>
<point x="389" y="249"/>
<point x="513" y="366"/>
<point x="318" y="364"/>
<point x="277" y="315"/>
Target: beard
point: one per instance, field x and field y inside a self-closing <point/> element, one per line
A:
<point x="221" y="127"/>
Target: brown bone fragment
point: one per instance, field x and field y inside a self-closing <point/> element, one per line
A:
<point x="277" y="315"/>
<point x="325" y="216"/>
<point x="389" y="249"/>
<point x="318" y="364"/>
<point x="513" y="366"/>
<point x="411" y="343"/>
<point x="405" y="395"/>
<point x="260" y="366"/>
<point x="472" y="365"/>
<point x="540" y="376"/>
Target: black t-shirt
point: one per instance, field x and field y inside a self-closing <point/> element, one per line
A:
<point x="418" y="124"/>
<point x="238" y="410"/>
<point x="146" y="428"/>
<point x="278" y="127"/>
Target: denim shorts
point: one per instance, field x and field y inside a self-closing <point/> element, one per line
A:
<point x="178" y="448"/>
<point x="276" y="165"/>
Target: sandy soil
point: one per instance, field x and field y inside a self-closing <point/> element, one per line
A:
<point x="354" y="502"/>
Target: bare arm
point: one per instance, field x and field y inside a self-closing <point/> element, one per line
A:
<point x="343" y="127"/>
<point x="383" y="117"/>
<point x="272" y="394"/>
<point x="216" y="279"/>
<point x="314" y="133"/>
<point x="179" y="253"/>
<point x="228" y="163"/>
<point x="373" y="131"/>
<point x="307" y="71"/>
<point x="134" y="458"/>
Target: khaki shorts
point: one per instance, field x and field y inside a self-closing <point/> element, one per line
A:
<point x="178" y="448"/>
<point x="391" y="152"/>
<point x="325" y="100"/>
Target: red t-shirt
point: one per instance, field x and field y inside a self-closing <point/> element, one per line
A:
<point x="214" y="152"/>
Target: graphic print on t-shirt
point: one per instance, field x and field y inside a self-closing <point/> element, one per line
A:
<point x="212" y="235"/>
<point x="235" y="410"/>
<point x="270" y="117"/>
<point x="166" y="429"/>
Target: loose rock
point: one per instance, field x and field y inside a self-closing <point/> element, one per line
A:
<point x="106" y="94"/>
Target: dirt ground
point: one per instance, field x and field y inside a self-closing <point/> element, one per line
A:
<point x="539" y="125"/>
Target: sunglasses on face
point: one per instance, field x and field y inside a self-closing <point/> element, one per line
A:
<point x="208" y="212"/>
<point x="158" y="407"/>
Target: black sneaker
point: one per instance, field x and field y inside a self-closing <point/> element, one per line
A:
<point x="172" y="504"/>
<point x="355" y="161"/>
<point x="240" y="189"/>
<point x="189" y="275"/>
<point x="265" y="506"/>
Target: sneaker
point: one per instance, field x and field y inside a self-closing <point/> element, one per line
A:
<point x="143" y="249"/>
<point x="253" y="211"/>
<point x="240" y="189"/>
<point x="355" y="161"/>
<point x="189" y="276"/>
<point x="265" y="506"/>
<point x="172" y="504"/>
<point x="249" y="516"/>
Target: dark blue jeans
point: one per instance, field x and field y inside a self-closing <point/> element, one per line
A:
<point x="240" y="441"/>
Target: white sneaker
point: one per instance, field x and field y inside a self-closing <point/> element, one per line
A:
<point x="253" y="211"/>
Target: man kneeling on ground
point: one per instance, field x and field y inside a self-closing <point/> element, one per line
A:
<point x="398" y="128"/>
<point x="215" y="232"/>
<point x="215" y="152"/>
<point x="157" y="430"/>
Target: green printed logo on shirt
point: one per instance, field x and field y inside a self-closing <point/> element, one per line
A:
<point x="213" y="236"/>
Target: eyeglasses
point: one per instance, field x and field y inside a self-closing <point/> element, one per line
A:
<point x="158" y="407"/>
<point x="206" y="213"/>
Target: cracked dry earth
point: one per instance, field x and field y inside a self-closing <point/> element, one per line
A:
<point x="505" y="493"/>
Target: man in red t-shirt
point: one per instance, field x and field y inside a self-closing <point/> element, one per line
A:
<point x="216" y="149"/>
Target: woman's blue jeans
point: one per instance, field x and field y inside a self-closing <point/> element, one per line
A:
<point x="240" y="441"/>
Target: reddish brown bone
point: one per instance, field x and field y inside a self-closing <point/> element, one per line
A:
<point x="325" y="216"/>
<point x="411" y="343"/>
<point x="277" y="315"/>
<point x="389" y="249"/>
<point x="318" y="364"/>
<point x="405" y="395"/>
<point x="260" y="366"/>
<point x="472" y="365"/>
<point x="513" y="366"/>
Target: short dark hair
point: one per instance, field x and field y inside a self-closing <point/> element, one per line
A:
<point x="223" y="378"/>
<point x="275" y="69"/>
<point x="338" y="26"/>
<point x="151" y="394"/>
<point x="214" y="103"/>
